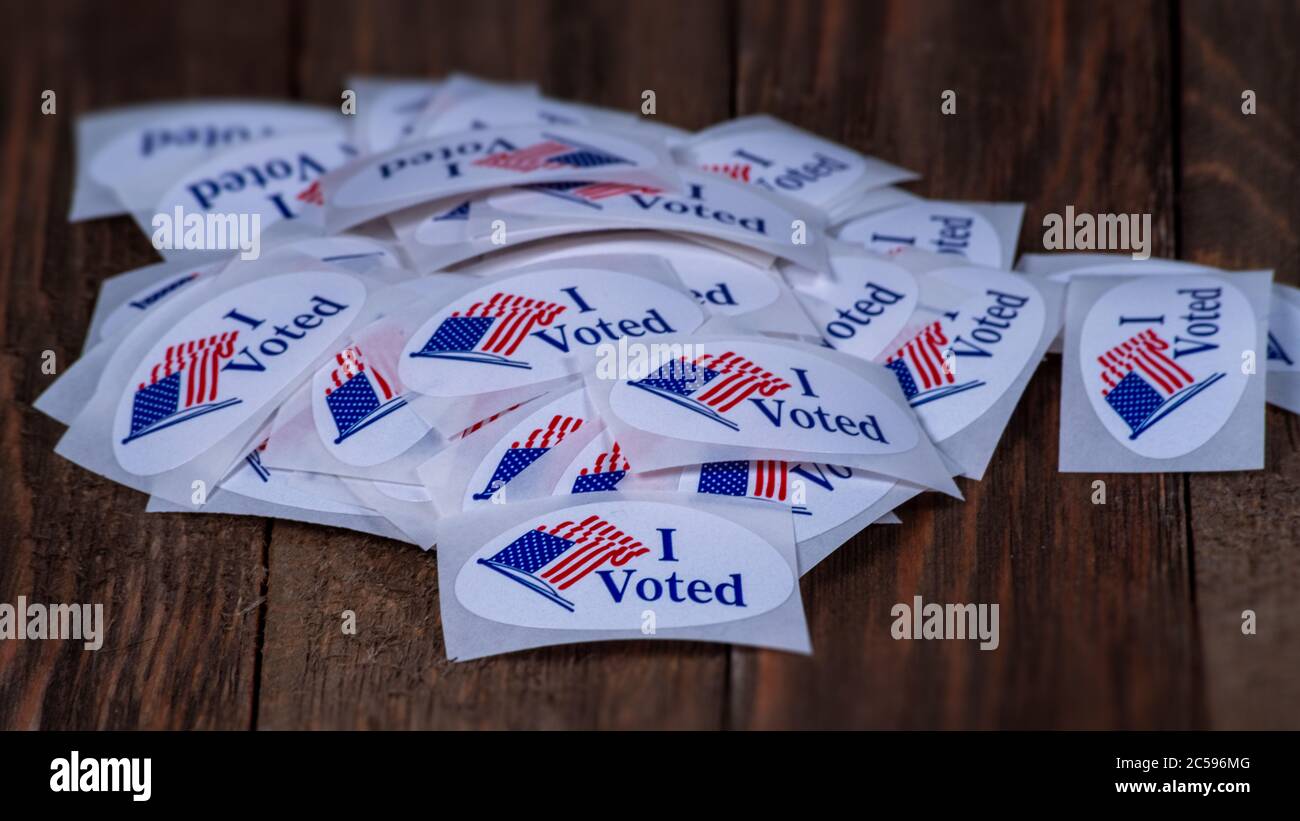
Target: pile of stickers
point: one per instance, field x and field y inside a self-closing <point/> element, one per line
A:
<point x="631" y="381"/>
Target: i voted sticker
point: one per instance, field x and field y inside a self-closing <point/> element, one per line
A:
<point x="524" y="329"/>
<point x="938" y="227"/>
<point x="962" y="361"/>
<point x="531" y="438"/>
<point x="599" y="566"/>
<point x="773" y="155"/>
<point x="600" y="466"/>
<point x="750" y="393"/>
<point x="470" y="161"/>
<point x="225" y="361"/>
<point x="166" y="141"/>
<point x="353" y="253"/>
<point x="359" y="406"/>
<point x="820" y="496"/>
<point x="271" y="178"/>
<point x="1161" y="360"/>
<point x="864" y="306"/>
<point x="705" y="205"/>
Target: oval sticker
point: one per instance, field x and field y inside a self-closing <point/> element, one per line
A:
<point x="359" y="406"/>
<point x="264" y="178"/>
<point x="863" y="306"/>
<point x="751" y="393"/>
<point x="958" y="365"/>
<point x="521" y="330"/>
<point x="525" y="443"/>
<point x="600" y="566"/>
<point x="224" y="361"/>
<point x="938" y="227"/>
<point x="1161" y="361"/>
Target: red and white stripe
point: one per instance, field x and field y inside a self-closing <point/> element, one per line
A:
<point x="740" y="380"/>
<point x="479" y="424"/>
<point x="595" y="542"/>
<point x="201" y="359"/>
<point x="348" y="363"/>
<point x="609" y="461"/>
<point x="1144" y="353"/>
<point x="525" y="159"/>
<point x="924" y="355"/>
<point x="552" y="434"/>
<point x="518" y="316"/>
<point x="605" y="190"/>
<point x="771" y="479"/>
<point x="738" y="171"/>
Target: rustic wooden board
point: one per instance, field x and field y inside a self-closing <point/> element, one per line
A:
<point x="180" y="593"/>
<point x="1240" y="208"/>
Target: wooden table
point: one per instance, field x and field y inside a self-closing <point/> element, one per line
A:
<point x="1126" y="614"/>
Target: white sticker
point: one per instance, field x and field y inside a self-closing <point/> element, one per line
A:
<point x="938" y="227"/>
<point x="1161" y="361"/>
<point x="359" y="406"/>
<point x="786" y="160"/>
<point x="750" y="393"/>
<point x="224" y="361"/>
<point x="145" y="149"/>
<point x="470" y="161"/>
<point x="862" y="307"/>
<point x="705" y="205"/>
<point x="820" y="496"/>
<point x="961" y="361"/>
<point x="272" y="178"/>
<point x="525" y="329"/>
<point x="531" y="438"/>
<point x="600" y="566"/>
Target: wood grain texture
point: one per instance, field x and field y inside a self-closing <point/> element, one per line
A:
<point x="1240" y="208"/>
<point x="1056" y="105"/>
<point x="179" y="592"/>
<point x="1123" y="615"/>
<point x="394" y="672"/>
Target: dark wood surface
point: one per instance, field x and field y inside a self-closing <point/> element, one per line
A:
<point x="1122" y="615"/>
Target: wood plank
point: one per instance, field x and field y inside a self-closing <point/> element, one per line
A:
<point x="1239" y="208"/>
<point x="1057" y="104"/>
<point x="394" y="672"/>
<point x="179" y="592"/>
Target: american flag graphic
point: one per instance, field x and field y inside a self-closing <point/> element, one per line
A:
<point x="182" y="386"/>
<point x="357" y="394"/>
<point x="1277" y="352"/>
<point x="254" y="459"/>
<point x="460" y="212"/>
<point x="920" y="368"/>
<point x="490" y="332"/>
<point x="549" y="560"/>
<point x="312" y="194"/>
<point x="608" y="470"/>
<point x="550" y="154"/>
<point x="738" y="171"/>
<point x="1143" y="384"/>
<point x="589" y="193"/>
<point x="523" y="453"/>
<point x="756" y="479"/>
<point x="712" y="385"/>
